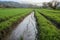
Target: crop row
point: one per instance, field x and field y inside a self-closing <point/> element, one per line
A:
<point x="6" y="14"/>
<point x="51" y="12"/>
<point x="5" y="24"/>
<point x="46" y="30"/>
<point x="8" y="25"/>
<point x="53" y="17"/>
<point x="54" y="11"/>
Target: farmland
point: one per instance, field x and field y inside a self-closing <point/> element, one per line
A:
<point x="10" y="17"/>
<point x="53" y="16"/>
<point x="48" y="24"/>
<point x="47" y="21"/>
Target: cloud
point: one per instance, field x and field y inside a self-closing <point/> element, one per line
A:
<point x="28" y="1"/>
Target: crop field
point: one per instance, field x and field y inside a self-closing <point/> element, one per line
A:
<point x="48" y="22"/>
<point x="10" y="16"/>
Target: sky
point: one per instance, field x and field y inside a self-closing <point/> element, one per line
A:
<point x="28" y="1"/>
<point x="34" y="2"/>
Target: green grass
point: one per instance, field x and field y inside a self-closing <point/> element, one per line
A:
<point x="10" y="16"/>
<point x="6" y="14"/>
<point x="53" y="15"/>
<point x="46" y="30"/>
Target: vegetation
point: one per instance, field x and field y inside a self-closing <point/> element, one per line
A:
<point x="21" y="38"/>
<point x="9" y="17"/>
<point x="46" y="30"/>
<point x="47" y="18"/>
<point x="54" y="4"/>
<point x="52" y="15"/>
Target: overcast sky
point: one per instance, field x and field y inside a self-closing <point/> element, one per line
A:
<point x="28" y="1"/>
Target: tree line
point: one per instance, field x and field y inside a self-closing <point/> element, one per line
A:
<point x="54" y="4"/>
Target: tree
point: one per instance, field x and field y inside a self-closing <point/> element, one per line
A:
<point x="53" y="4"/>
<point x="45" y="5"/>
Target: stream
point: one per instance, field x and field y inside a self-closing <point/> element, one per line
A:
<point x="26" y="29"/>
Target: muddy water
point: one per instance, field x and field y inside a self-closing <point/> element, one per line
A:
<point x="26" y="29"/>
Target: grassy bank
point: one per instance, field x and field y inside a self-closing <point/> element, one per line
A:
<point x="46" y="30"/>
<point x="10" y="17"/>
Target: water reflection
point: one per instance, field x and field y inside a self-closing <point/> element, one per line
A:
<point x="26" y="29"/>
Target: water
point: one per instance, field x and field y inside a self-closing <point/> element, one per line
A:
<point x="26" y="29"/>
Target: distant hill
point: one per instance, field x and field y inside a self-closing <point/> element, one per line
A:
<point x="10" y="4"/>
